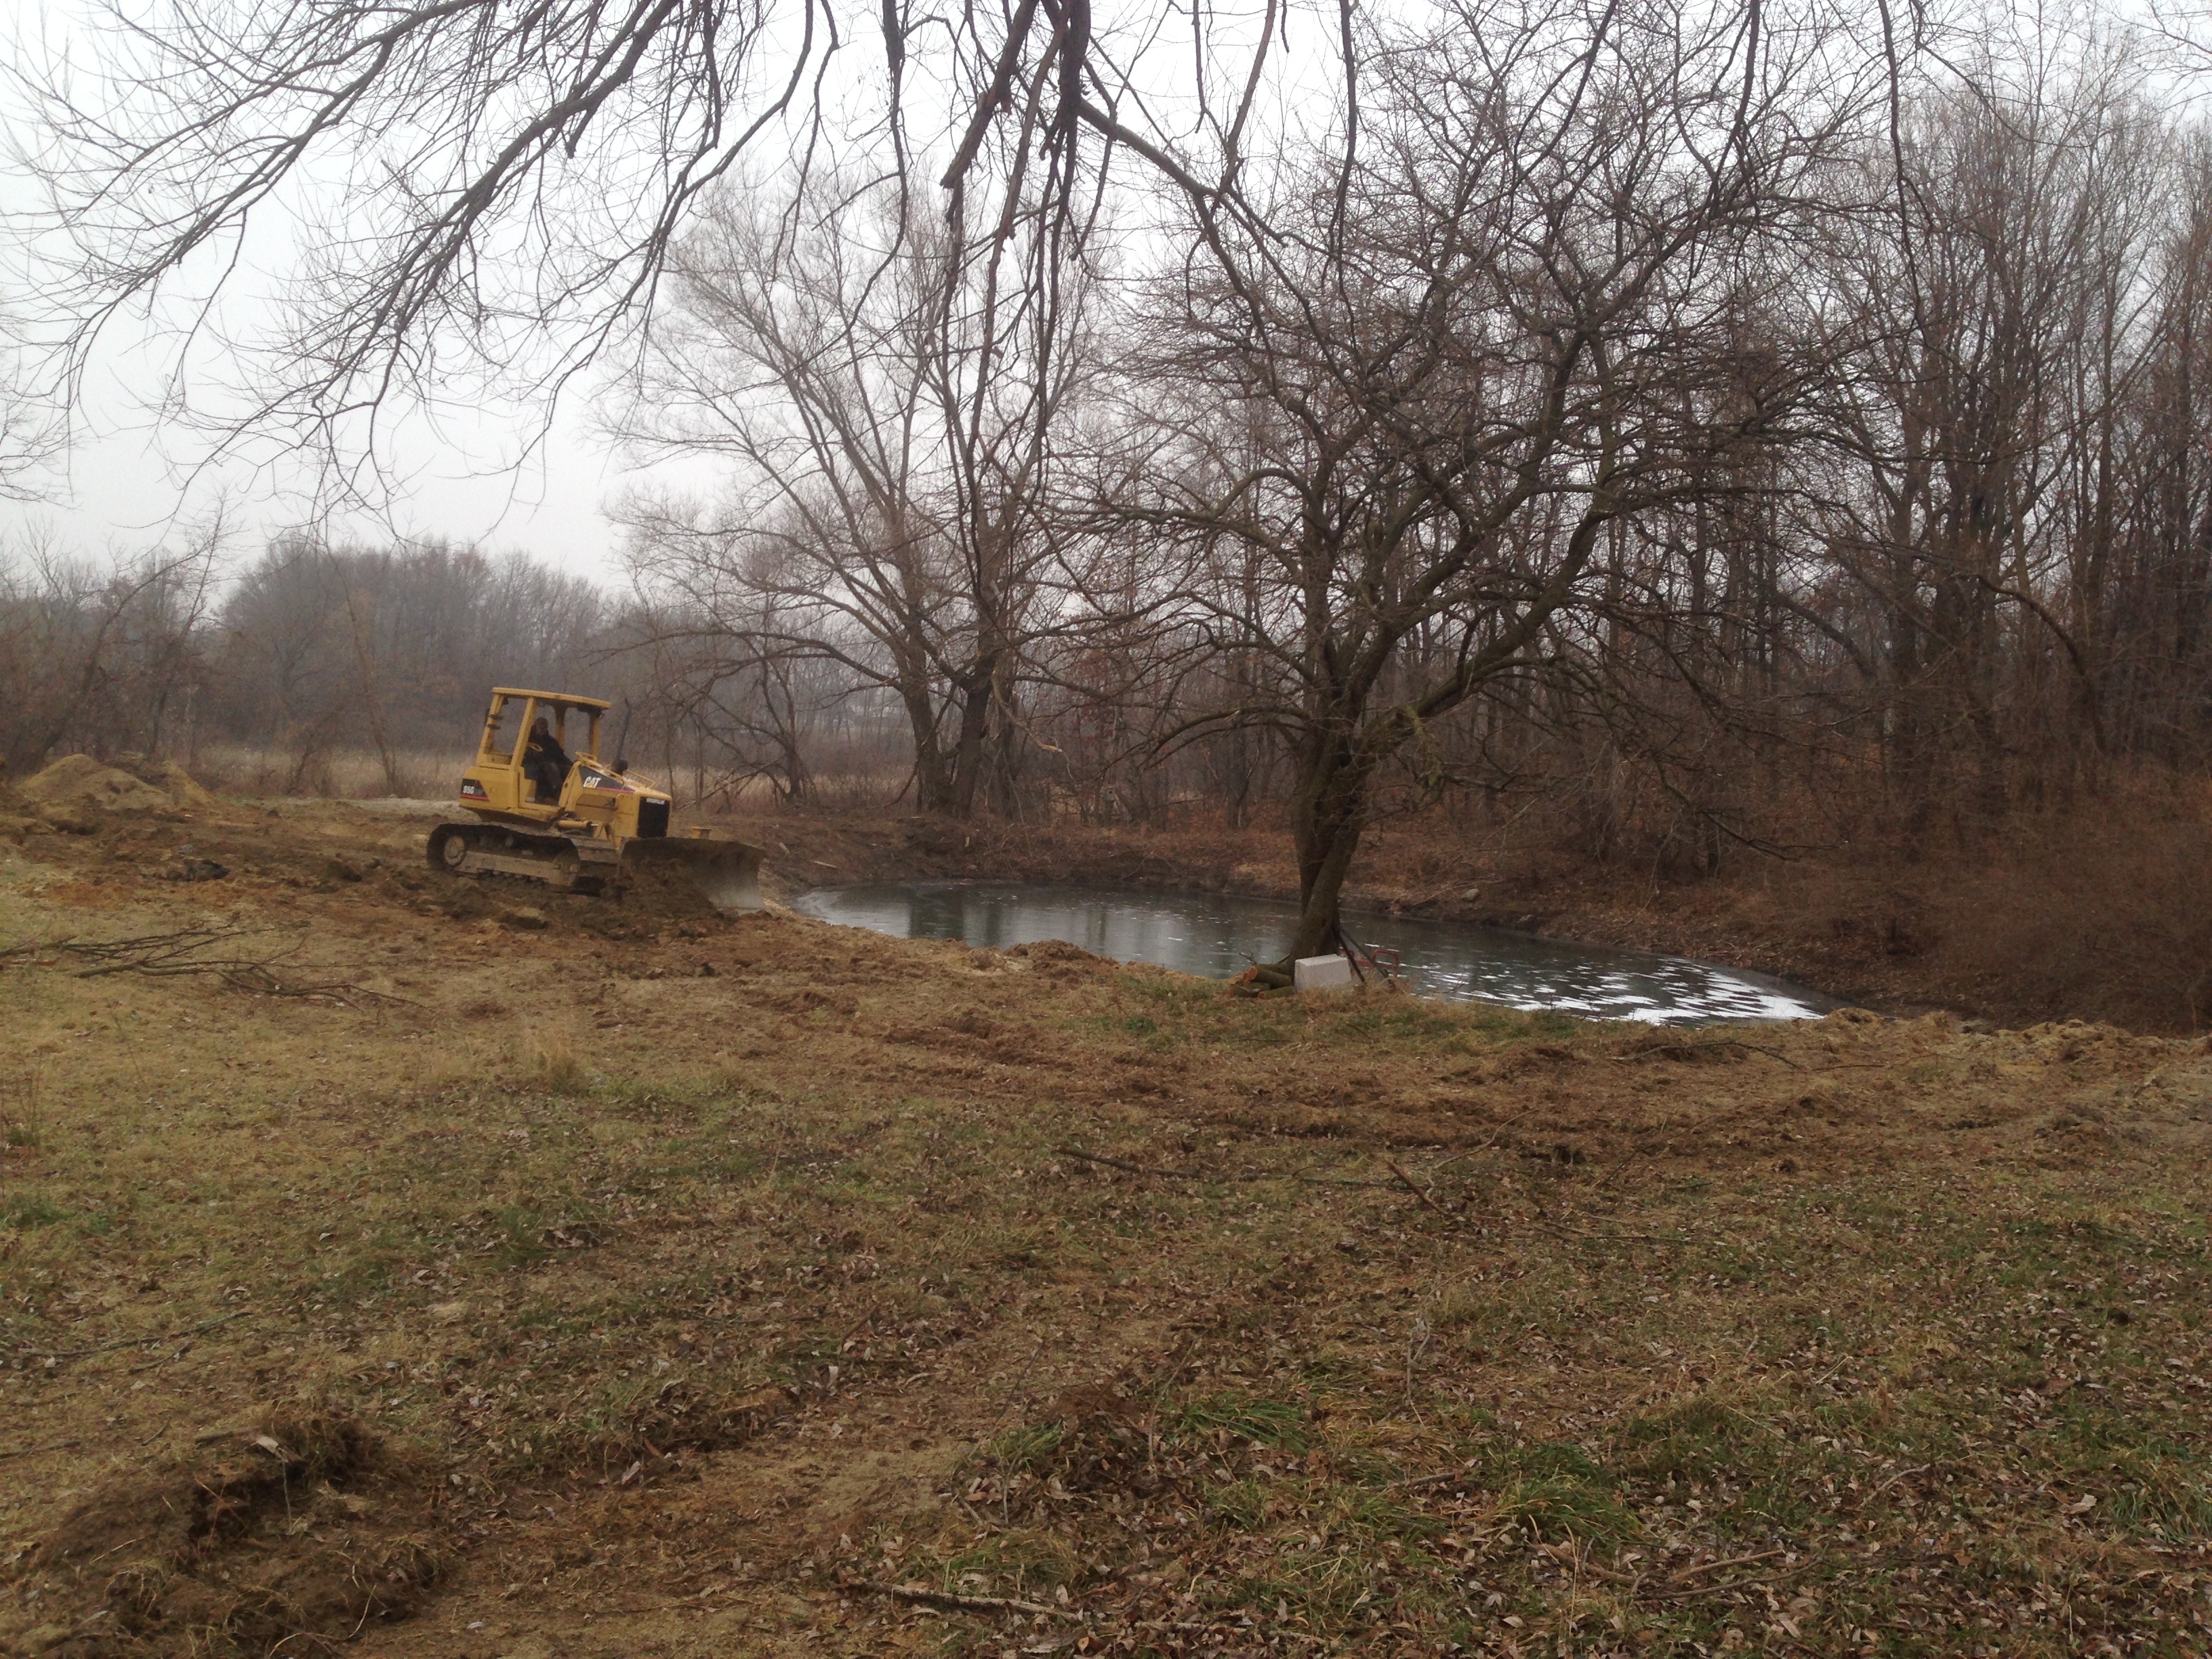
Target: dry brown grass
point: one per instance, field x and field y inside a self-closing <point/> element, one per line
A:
<point x="1421" y="1325"/>
<point x="554" y="1058"/>
<point x="343" y="775"/>
<point x="2104" y="915"/>
<point x="22" y="1122"/>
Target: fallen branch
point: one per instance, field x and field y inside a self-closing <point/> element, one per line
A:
<point x="130" y="1341"/>
<point x="1227" y="1175"/>
<point x="1498" y="1134"/>
<point x="1750" y="1581"/>
<point x="30" y="953"/>
<point x="168" y="955"/>
<point x="1429" y="1202"/>
<point x="1618" y="1170"/>
<point x="1715" y="1566"/>
<point x="1557" y="1230"/>
<point x="924" y="1596"/>
<point x="1915" y="1468"/>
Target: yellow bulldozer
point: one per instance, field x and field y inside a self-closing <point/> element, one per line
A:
<point x="548" y="815"/>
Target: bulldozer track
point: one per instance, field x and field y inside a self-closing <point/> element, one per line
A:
<point x="482" y="850"/>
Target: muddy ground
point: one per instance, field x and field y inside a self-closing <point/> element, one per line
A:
<point x="421" y="1267"/>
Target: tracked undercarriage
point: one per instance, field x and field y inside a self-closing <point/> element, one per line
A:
<point x="571" y="864"/>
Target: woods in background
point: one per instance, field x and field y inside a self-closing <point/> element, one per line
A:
<point x="1704" y="455"/>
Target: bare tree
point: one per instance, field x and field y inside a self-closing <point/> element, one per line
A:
<point x="467" y="196"/>
<point x="324" y="646"/>
<point x="105" y="661"/>
<point x="31" y="438"/>
<point x="1995" y="341"/>
<point x="1492" y="322"/>
<point x="885" y="404"/>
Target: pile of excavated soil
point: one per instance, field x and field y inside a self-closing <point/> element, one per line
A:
<point x="77" y="784"/>
<point x="665" y="891"/>
<point x="168" y="777"/>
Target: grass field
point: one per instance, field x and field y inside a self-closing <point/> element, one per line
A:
<point x="464" y="1273"/>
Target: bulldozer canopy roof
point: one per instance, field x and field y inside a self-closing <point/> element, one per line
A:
<point x="573" y="700"/>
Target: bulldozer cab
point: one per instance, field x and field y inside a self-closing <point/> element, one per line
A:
<point x="506" y="778"/>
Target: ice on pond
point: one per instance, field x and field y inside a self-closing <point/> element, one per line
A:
<point x="1218" y="935"/>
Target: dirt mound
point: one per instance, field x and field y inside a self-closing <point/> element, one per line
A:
<point x="171" y="779"/>
<point x="77" y="784"/>
<point x="265" y="1534"/>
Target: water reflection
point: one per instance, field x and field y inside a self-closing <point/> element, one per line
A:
<point x="1216" y="935"/>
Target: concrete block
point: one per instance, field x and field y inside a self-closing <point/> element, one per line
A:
<point x="1322" y="974"/>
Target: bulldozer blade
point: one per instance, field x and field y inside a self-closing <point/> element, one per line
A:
<point x="725" y="872"/>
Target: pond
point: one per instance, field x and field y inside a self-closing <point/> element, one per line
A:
<point x="1218" y="935"/>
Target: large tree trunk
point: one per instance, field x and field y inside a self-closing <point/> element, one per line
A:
<point x="932" y="777"/>
<point x="969" y="751"/>
<point x="1327" y="817"/>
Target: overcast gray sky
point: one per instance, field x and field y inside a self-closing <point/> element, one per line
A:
<point x="129" y="480"/>
<point x="474" y="472"/>
<point x="134" y="474"/>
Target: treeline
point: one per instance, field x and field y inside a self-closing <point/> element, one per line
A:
<point x="1703" y="447"/>
<point x="1708" y="461"/>
<point x="312" y="654"/>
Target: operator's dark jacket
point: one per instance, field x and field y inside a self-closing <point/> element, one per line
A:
<point x="546" y="764"/>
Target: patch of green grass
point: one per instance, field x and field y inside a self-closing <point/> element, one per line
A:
<point x="1550" y="1490"/>
<point x="1018" y="1562"/>
<point x="1326" y="1589"/>
<point x="1339" y="1591"/>
<point x="1028" y="1449"/>
<point x="1403" y="1021"/>
<point x="1223" y="1418"/>
<point x="707" y="1158"/>
<point x="537" y="1230"/>
<point x="1375" y="1515"/>
<point x="28" y="1210"/>
<point x="2143" y="1481"/>
<point x="520" y="1236"/>
<point x="1461" y="1308"/>
<point x="365" y="1272"/>
<point x="1550" y="1507"/>
<point x="1363" y="1465"/>
<point x="1701" y="1439"/>
<point x="1241" y="1504"/>
<point x="1564" y="1459"/>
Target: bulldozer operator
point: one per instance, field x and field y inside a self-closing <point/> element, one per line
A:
<point x="545" y="762"/>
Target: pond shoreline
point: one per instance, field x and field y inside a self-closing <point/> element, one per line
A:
<point x="1711" y="923"/>
<point x="1215" y="936"/>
